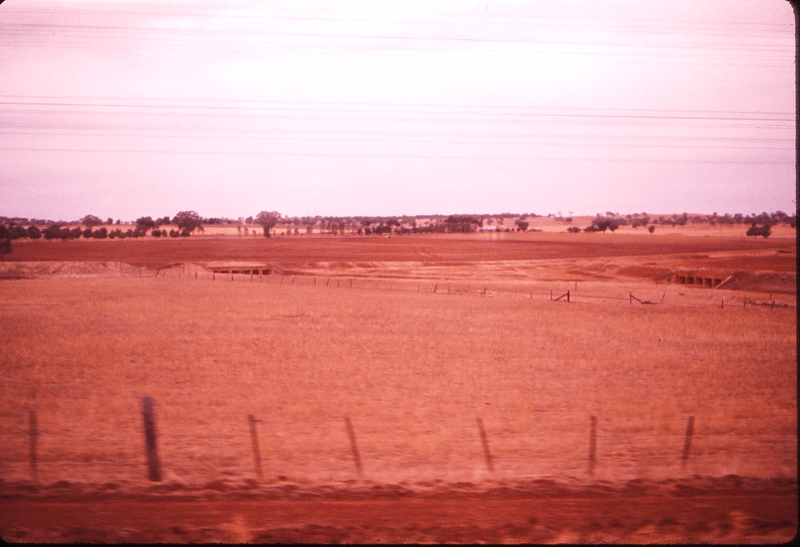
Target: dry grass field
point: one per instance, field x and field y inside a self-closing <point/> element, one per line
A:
<point x="413" y="339"/>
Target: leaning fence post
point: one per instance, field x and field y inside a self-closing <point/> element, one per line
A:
<point x="34" y="434"/>
<point x="353" y="446"/>
<point x="592" y="443"/>
<point x="485" y="443"/>
<point x="254" y="442"/>
<point x="567" y="296"/>
<point x="687" y="443"/>
<point x="153" y="464"/>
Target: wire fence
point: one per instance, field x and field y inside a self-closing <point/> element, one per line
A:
<point x="608" y="290"/>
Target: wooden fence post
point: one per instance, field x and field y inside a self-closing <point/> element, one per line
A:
<point x="687" y="443"/>
<point x="254" y="441"/>
<point x="353" y="446"/>
<point x="486" y="454"/>
<point x="34" y="435"/>
<point x="148" y="414"/>
<point x="592" y="443"/>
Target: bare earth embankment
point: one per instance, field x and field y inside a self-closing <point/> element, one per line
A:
<point x="414" y="340"/>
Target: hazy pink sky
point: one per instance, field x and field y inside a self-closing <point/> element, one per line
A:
<point x="125" y="109"/>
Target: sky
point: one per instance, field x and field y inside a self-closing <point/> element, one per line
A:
<point x="124" y="109"/>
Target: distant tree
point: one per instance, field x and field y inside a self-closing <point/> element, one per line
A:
<point x="462" y="223"/>
<point x="52" y="231"/>
<point x="16" y="231"/>
<point x="764" y="230"/>
<point x="613" y="225"/>
<point x="100" y="233"/>
<point x="34" y="232"/>
<point x="109" y="220"/>
<point x="187" y="221"/>
<point x="5" y="241"/>
<point x="651" y="228"/>
<point x="573" y="229"/>
<point x="87" y="233"/>
<point x="522" y="224"/>
<point x="156" y="233"/>
<point x="267" y="220"/>
<point x="91" y="221"/>
<point x="143" y="224"/>
<point x="601" y="224"/>
<point x="174" y="233"/>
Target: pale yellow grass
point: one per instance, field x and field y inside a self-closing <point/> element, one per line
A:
<point x="412" y="371"/>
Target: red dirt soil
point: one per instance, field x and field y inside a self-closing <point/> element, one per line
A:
<point x="150" y="252"/>
<point x="639" y="513"/>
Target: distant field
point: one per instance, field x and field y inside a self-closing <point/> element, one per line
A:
<point x="152" y="252"/>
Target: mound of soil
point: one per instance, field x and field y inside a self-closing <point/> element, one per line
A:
<point x="779" y="282"/>
<point x="33" y="270"/>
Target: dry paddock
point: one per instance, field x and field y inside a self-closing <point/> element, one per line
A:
<point x="413" y="371"/>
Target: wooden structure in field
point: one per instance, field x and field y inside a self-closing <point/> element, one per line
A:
<point x="240" y="268"/>
<point x="706" y="280"/>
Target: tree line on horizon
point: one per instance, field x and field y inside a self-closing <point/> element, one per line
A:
<point x="188" y="222"/>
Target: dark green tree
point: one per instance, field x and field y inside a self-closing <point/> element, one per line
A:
<point x="90" y="221"/>
<point x="5" y="241"/>
<point x="267" y="220"/>
<point x="187" y="221"/>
